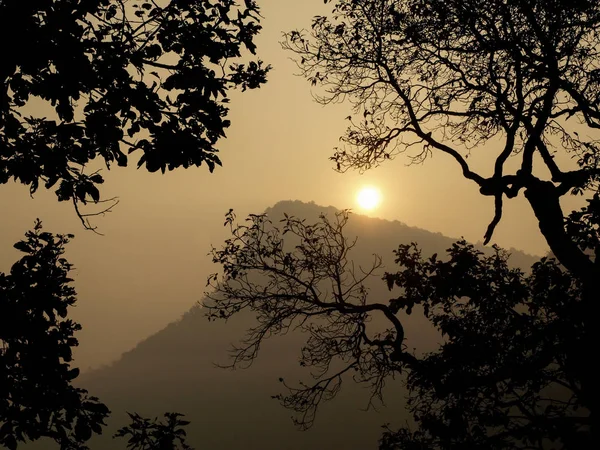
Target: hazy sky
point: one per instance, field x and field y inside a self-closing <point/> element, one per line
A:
<point x="152" y="263"/>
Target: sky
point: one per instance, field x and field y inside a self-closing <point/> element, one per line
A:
<point x="152" y="262"/>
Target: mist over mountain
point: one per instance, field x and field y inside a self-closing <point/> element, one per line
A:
<point x="173" y="370"/>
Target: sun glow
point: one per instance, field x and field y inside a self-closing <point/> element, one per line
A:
<point x="369" y="198"/>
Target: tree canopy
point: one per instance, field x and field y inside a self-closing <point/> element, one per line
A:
<point x="512" y="365"/>
<point x="37" y="395"/>
<point x="37" y="398"/>
<point x="118" y="76"/>
<point x="457" y="76"/>
<point x="504" y="376"/>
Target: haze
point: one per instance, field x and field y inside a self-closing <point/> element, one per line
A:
<point x="152" y="263"/>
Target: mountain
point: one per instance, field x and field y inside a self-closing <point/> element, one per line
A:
<point x="173" y="369"/>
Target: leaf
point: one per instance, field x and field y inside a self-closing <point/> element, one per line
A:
<point x="10" y="442"/>
<point x="389" y="278"/>
<point x="83" y="432"/>
<point x="111" y="12"/>
<point x="97" y="178"/>
<point x="154" y="51"/>
<point x="96" y="427"/>
<point x="93" y="192"/>
<point x="73" y="373"/>
<point x="23" y="247"/>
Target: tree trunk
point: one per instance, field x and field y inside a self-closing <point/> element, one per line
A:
<point x="544" y="199"/>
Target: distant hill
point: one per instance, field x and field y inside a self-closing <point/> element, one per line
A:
<point x="173" y="370"/>
<point x="383" y="236"/>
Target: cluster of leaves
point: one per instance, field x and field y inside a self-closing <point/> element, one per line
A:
<point x="508" y="374"/>
<point x="116" y="76"/>
<point x="120" y="75"/>
<point x="145" y="434"/>
<point x="584" y="225"/>
<point x="37" y="398"/>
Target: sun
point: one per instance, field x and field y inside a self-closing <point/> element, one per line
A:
<point x="369" y="198"/>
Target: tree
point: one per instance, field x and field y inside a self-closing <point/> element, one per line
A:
<point x="507" y="374"/>
<point x="153" y="435"/>
<point x="313" y="288"/>
<point x="453" y="76"/>
<point x="504" y="376"/>
<point x="120" y="76"/>
<point x="37" y="398"/>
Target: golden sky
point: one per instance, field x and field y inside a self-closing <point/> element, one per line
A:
<point x="152" y="263"/>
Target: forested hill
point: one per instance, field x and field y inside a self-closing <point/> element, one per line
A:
<point x="381" y="237"/>
<point x="173" y="370"/>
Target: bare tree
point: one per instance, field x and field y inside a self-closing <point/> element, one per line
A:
<point x="311" y="286"/>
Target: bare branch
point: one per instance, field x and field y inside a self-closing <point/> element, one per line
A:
<point x="85" y="218"/>
<point x="305" y="282"/>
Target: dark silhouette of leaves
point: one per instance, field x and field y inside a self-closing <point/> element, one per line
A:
<point x="512" y="368"/>
<point x="118" y="76"/>
<point x="455" y="76"/>
<point x="153" y="435"/>
<point x="505" y="376"/>
<point x="37" y="398"/>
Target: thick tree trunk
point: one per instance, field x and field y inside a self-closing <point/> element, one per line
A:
<point x="544" y="199"/>
<point x="588" y="358"/>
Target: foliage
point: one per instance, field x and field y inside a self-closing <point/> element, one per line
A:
<point x="37" y="398"/>
<point x="153" y="435"/>
<point x="584" y="226"/>
<point x="453" y="76"/>
<point x="505" y="376"/>
<point x="121" y="76"/>
<point x="508" y="372"/>
<point x="313" y="288"/>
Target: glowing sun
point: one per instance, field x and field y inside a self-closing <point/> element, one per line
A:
<point x="369" y="198"/>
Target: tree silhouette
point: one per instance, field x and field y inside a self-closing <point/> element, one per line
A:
<point x="454" y="76"/>
<point x="508" y="373"/>
<point x="504" y="376"/>
<point x="153" y="435"/>
<point x="313" y="288"/>
<point x="460" y="75"/>
<point x="37" y="398"/>
<point x="120" y="76"/>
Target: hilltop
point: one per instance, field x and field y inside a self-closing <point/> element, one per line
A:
<point x="173" y="370"/>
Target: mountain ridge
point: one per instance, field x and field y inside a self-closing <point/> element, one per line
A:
<point x="172" y="370"/>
